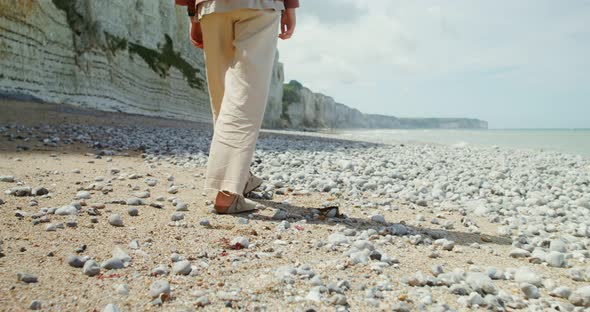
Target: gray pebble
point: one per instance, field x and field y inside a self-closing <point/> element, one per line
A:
<point x="83" y="195"/>
<point x="111" y="308"/>
<point x="91" y="268"/>
<point x="26" y="278"/>
<point x="205" y="222"/>
<point x="338" y="299"/>
<point x="182" y="267"/>
<point x="122" y="289"/>
<point x="35" y="305"/>
<point x="581" y="297"/>
<point x="181" y="207"/>
<point x="160" y="287"/>
<point x="7" y="179"/>
<point x="556" y="259"/>
<point x="113" y="264"/>
<point x="177" y="216"/>
<point x="132" y="211"/>
<point x="160" y="270"/>
<point x="526" y="275"/>
<point x="20" y="191"/>
<point x="115" y="220"/>
<point x="530" y="291"/>
<point x="134" y="201"/>
<point x="561" y="292"/>
<point x="39" y="191"/>
<point x="519" y="253"/>
<point x="67" y="210"/>
<point x="242" y="241"/>
<point x="75" y="261"/>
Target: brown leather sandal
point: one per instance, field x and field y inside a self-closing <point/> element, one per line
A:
<point x="238" y="205"/>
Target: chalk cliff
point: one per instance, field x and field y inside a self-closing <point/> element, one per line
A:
<point x="129" y="56"/>
<point x="134" y="56"/>
<point x="302" y="108"/>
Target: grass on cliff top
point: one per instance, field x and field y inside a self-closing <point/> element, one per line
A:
<point x="290" y="95"/>
<point x="291" y="92"/>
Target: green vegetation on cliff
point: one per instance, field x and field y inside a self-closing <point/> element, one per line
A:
<point x="160" y="61"/>
<point x="291" y="95"/>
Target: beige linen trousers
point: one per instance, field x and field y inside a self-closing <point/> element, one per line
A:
<point x="239" y="48"/>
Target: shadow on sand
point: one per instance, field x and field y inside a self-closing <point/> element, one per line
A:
<point x="297" y="213"/>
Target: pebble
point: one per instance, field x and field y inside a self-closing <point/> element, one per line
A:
<point x="202" y="301"/>
<point x="519" y="253"/>
<point x="338" y="300"/>
<point x="111" y="308"/>
<point x="530" y="291"/>
<point x="133" y="212"/>
<point x="182" y="267"/>
<point x="283" y="226"/>
<point x="481" y="283"/>
<point x="460" y="289"/>
<point x="76" y="262"/>
<point x="83" y="195"/>
<point x="561" y="292"/>
<point x="121" y="254"/>
<point x="113" y="264"/>
<point x="160" y="270"/>
<point x="39" y="191"/>
<point x="242" y="241"/>
<point x="122" y="289"/>
<point x="6" y="178"/>
<point x="26" y="278"/>
<point x="35" y="305"/>
<point x="378" y="219"/>
<point x="556" y="259"/>
<point x="20" y="191"/>
<point x="557" y="245"/>
<point x="139" y="195"/>
<point x="160" y="287"/>
<point x="51" y="227"/>
<point x="181" y="206"/>
<point x="91" y="268"/>
<point x="581" y="297"/>
<point x="526" y="275"/>
<point x="338" y="239"/>
<point x="134" y="201"/>
<point x="115" y="220"/>
<point x="177" y="216"/>
<point x="67" y="210"/>
<point x="205" y="223"/>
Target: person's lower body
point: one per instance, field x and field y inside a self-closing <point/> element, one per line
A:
<point x="239" y="49"/>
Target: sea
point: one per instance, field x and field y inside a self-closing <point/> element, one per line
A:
<point x="569" y="141"/>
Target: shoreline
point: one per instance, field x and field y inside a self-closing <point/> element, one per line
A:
<point x="418" y="226"/>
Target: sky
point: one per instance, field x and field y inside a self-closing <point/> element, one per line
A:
<point x="515" y="64"/>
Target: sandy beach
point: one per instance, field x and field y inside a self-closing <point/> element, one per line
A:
<point x="106" y="212"/>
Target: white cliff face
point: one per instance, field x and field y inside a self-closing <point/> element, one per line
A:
<point x="274" y="107"/>
<point x="129" y="56"/>
<point x="132" y="56"/>
<point x="303" y="108"/>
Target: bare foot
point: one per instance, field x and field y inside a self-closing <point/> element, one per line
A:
<point x="223" y="200"/>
